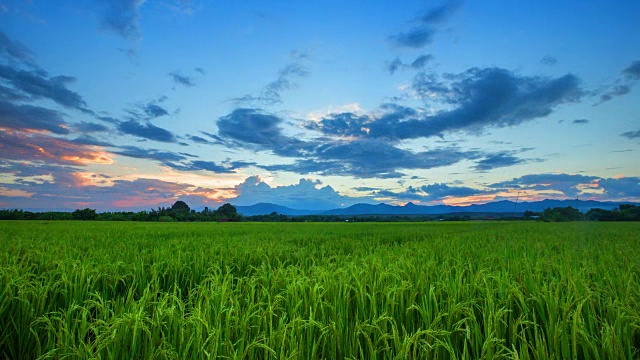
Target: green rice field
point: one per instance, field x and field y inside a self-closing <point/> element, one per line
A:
<point x="468" y="290"/>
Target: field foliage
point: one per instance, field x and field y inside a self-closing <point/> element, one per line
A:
<point x="78" y="290"/>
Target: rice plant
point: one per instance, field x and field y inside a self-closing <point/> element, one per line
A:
<point x="472" y="290"/>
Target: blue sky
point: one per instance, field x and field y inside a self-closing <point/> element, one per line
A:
<point x="133" y="104"/>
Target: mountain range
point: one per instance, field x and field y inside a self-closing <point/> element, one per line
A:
<point x="504" y="206"/>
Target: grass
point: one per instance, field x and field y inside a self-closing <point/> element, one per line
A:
<point x="81" y="290"/>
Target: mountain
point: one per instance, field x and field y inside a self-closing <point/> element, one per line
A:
<point x="504" y="206"/>
<point x="268" y="208"/>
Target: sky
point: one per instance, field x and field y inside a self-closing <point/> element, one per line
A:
<point x="127" y="105"/>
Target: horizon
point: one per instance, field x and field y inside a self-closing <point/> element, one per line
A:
<point x="131" y="105"/>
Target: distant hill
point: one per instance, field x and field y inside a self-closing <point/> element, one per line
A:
<point x="268" y="208"/>
<point x="504" y="206"/>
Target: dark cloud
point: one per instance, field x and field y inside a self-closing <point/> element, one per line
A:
<point x="580" y="121"/>
<point x="155" y="110"/>
<point x="633" y="70"/>
<point x="493" y="161"/>
<point x="121" y="17"/>
<point x="427" y="193"/>
<point x="623" y="86"/>
<point x="89" y="127"/>
<point x="360" y="157"/>
<point x="146" y="131"/>
<point x="28" y="117"/>
<point x="421" y="61"/>
<point x="90" y="140"/>
<point x="215" y="137"/>
<point x="257" y="130"/>
<point x="618" y="90"/>
<point x="549" y="60"/>
<point x="479" y="98"/>
<point x="15" y="50"/>
<point x="200" y="70"/>
<point x="200" y="140"/>
<point x="210" y="166"/>
<point x="371" y="158"/>
<point x="564" y="183"/>
<point x="428" y="24"/>
<point x="440" y="14"/>
<point x="164" y="157"/>
<point x="619" y="188"/>
<point x="181" y="79"/>
<point x="394" y="66"/>
<point x="417" y="64"/>
<point x="415" y="38"/>
<point x="271" y="93"/>
<point x="37" y="84"/>
<point x="631" y="134"/>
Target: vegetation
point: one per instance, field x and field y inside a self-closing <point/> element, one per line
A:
<point x="465" y="290"/>
<point x="180" y="211"/>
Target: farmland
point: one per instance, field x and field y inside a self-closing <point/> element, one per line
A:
<point x="319" y="291"/>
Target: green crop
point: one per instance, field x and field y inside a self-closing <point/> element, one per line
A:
<point x="80" y="290"/>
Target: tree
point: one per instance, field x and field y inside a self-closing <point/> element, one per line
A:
<point x="562" y="214"/>
<point x="84" y="214"/>
<point x="227" y="212"/>
<point x="180" y="206"/>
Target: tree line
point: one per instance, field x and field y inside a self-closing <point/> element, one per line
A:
<point x="624" y="212"/>
<point x="181" y="212"/>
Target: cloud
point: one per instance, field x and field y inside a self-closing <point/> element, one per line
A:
<point x="415" y="38"/>
<point x="593" y="187"/>
<point x="474" y="100"/>
<point x="548" y="60"/>
<point x="89" y="127"/>
<point x="621" y="188"/>
<point x="28" y="117"/>
<point x="371" y="158"/>
<point x="421" y="61"/>
<point x="618" y="90"/>
<point x="121" y="17"/>
<point x="146" y="131"/>
<point x="39" y="147"/>
<point x="306" y="194"/>
<point x="254" y="129"/>
<point x="498" y="160"/>
<point x="360" y="157"/>
<point x="417" y="64"/>
<point x="631" y="134"/>
<point x="441" y="13"/>
<point x="271" y="93"/>
<point x="623" y="86"/>
<point x="37" y="85"/>
<point x="15" y="50"/>
<point x="184" y="80"/>
<point x="154" y="110"/>
<point x="200" y="140"/>
<point x="180" y="161"/>
<point x="69" y="189"/>
<point x="580" y="121"/>
<point x="632" y="71"/>
<point x="567" y="184"/>
<point x="164" y="157"/>
<point x="428" y="193"/>
<point x="428" y="23"/>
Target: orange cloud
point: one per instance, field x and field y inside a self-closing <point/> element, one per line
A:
<point x="35" y="146"/>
